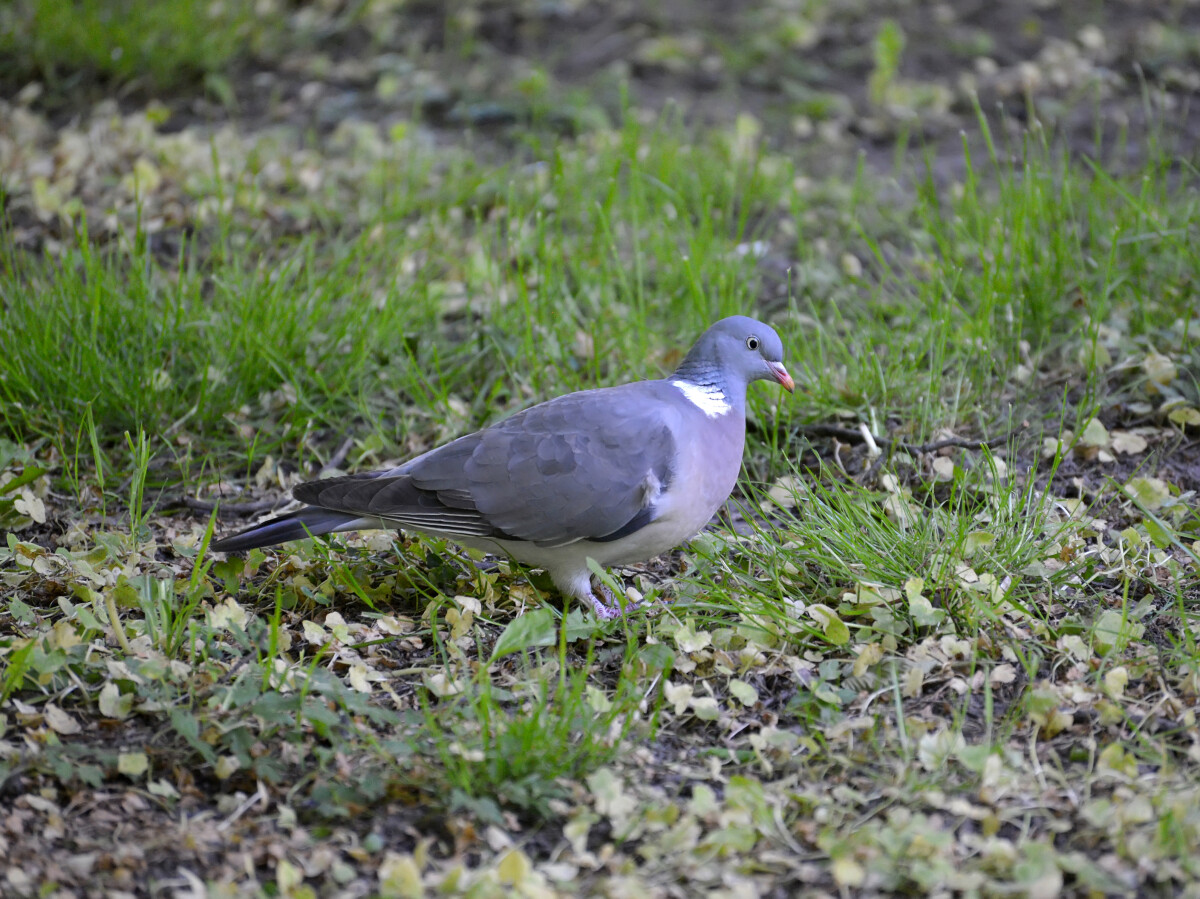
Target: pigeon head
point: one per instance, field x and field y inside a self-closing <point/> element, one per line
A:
<point x="731" y="354"/>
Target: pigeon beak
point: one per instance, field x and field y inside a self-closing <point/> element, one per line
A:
<point x="780" y="374"/>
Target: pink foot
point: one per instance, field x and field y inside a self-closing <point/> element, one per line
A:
<point x="606" y="605"/>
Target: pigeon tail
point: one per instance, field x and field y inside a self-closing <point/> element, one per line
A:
<point x="304" y="523"/>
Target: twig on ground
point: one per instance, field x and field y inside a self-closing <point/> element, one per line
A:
<point x="854" y="435"/>
<point x="336" y="460"/>
<point x="872" y="473"/>
<point x="241" y="510"/>
<point x="230" y="510"/>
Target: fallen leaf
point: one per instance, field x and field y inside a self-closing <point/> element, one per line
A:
<point x="869" y="655"/>
<point x="835" y="630"/>
<point x="1148" y="492"/>
<point x="133" y="764"/>
<point x="705" y="708"/>
<point x="1094" y="434"/>
<point x="1128" y="443"/>
<point x="678" y="695"/>
<point x="112" y="703"/>
<point x="59" y="720"/>
<point x="784" y="491"/>
<point x="743" y="692"/>
<point x="1076" y="647"/>
<point x="399" y="877"/>
<point x="514" y="868"/>
<point x="847" y="872"/>
<point x="1159" y="368"/>
<point x="1185" y="415"/>
<point x="28" y="504"/>
<point x="441" y="684"/>
<point x="1003" y="674"/>
<point x="1115" y="681"/>
<point x="689" y="640"/>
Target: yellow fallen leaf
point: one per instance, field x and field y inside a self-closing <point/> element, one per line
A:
<point x="689" y="640"/>
<point x="1115" y="759"/>
<point x="743" y="692"/>
<point x="1003" y="674"/>
<point x="870" y="654"/>
<point x="460" y="622"/>
<point x="359" y="679"/>
<point x="227" y="614"/>
<point x="133" y="764"/>
<point x="784" y="491"/>
<point x="144" y="179"/>
<point x="678" y="695"/>
<point x="60" y="721"/>
<point x="1076" y="647"/>
<point x="441" y="684"/>
<point x="598" y="700"/>
<point x="914" y="682"/>
<point x="847" y="872"/>
<point x="1115" y="681"/>
<point x="977" y="541"/>
<point x="900" y="511"/>
<point x="1128" y="443"/>
<point x="112" y="703"/>
<point x="30" y="505"/>
<point x="46" y="199"/>
<point x="1056" y="722"/>
<point x="514" y="868"/>
<point x="1149" y="492"/>
<point x="1185" y="415"/>
<point x="395" y="624"/>
<point x="63" y="635"/>
<point x="287" y="876"/>
<point x="1159" y="368"/>
<point x="835" y="630"/>
<point x="314" y="633"/>
<point x="1094" y="434"/>
<point x="1054" y="446"/>
<point x="469" y="604"/>
<point x="705" y="708"/>
<point x="399" y="877"/>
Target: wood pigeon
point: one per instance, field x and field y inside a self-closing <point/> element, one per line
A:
<point x="617" y="474"/>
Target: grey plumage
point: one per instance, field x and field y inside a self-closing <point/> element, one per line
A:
<point x="618" y="474"/>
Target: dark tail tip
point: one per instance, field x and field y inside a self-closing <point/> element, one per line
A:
<point x="305" y="523"/>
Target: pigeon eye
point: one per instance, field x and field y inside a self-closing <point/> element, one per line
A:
<point x="752" y="343"/>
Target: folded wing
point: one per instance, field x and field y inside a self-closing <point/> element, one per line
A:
<point x="589" y="465"/>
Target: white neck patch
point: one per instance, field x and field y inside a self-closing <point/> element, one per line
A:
<point x="708" y="398"/>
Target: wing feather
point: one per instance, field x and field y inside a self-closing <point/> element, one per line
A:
<point x="569" y="469"/>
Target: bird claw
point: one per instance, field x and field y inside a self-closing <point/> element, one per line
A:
<point x="603" y="611"/>
<point x="610" y="609"/>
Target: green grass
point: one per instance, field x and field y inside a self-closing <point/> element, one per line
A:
<point x="361" y="332"/>
<point x="901" y="649"/>
<point x="521" y="747"/>
<point x="162" y="43"/>
<point x="587" y="266"/>
<point x="853" y="564"/>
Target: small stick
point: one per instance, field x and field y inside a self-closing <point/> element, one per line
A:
<point x="230" y="510"/>
<point x="336" y="460"/>
<point x="853" y="435"/>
